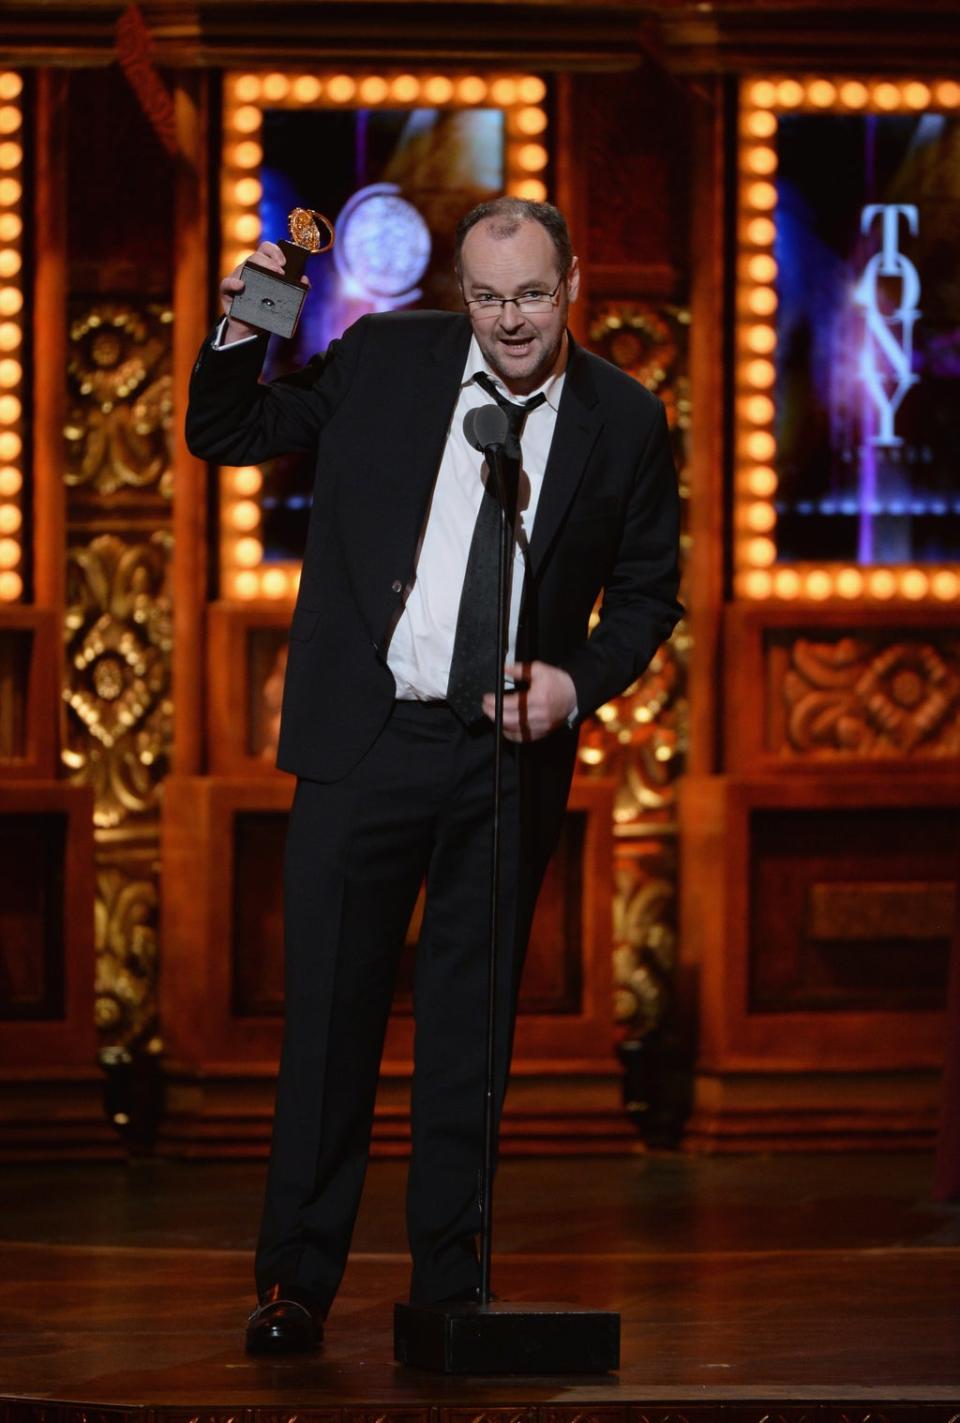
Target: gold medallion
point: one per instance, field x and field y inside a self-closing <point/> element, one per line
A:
<point x="311" y="230"/>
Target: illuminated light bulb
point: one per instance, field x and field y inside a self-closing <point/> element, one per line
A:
<point x="818" y="584"/>
<point x="276" y="86"/>
<point x="10" y="518"/>
<point x="762" y="196"/>
<point x="11" y="373"/>
<point x="758" y="409"/>
<point x="762" y="481"/>
<point x="761" y="160"/>
<point x="11" y="586"/>
<point x="245" y="515"/>
<point x="945" y="585"/>
<point x="405" y="88"/>
<point x="471" y="90"/>
<point x="273" y="582"/>
<point x="531" y="121"/>
<point x="10" y="192"/>
<point x="916" y="95"/>
<point x="762" y="339"/>
<point x="10" y="301"/>
<point x="247" y="480"/>
<point x="761" y="518"/>
<point x="789" y="93"/>
<point x="763" y="94"/>
<point x="821" y="93"/>
<point x="504" y="91"/>
<point x="530" y="188"/>
<point x="606" y="713"/>
<point x="761" y="374"/>
<point x="10" y="409"/>
<point x="762" y="268"/>
<point x="10" y="262"/>
<point x="246" y="88"/>
<point x="762" y="124"/>
<point x="374" y="89"/>
<point x="760" y="445"/>
<point x="11" y="155"/>
<point x="758" y="583"/>
<point x="11" y="481"/>
<point x="854" y="94"/>
<point x="341" y="88"/>
<point x="849" y="583"/>
<point x="10" y="227"/>
<point x="761" y="552"/>
<point x="761" y="231"/>
<point x="881" y="583"/>
<point x="248" y="191"/>
<point x="248" y="119"/>
<point x="914" y="584"/>
<point x="762" y="301"/>
<point x="438" y="89"/>
<point x="786" y="583"/>
<point x="531" y="89"/>
<point x="246" y="585"/>
<point x="9" y="553"/>
<point x="886" y="96"/>
<point x="10" y="119"/>
<point x="532" y="157"/>
<point x="307" y="89"/>
<point x="248" y="552"/>
<point x="948" y="94"/>
<point x="591" y="755"/>
<point x="11" y="85"/>
<point x="10" y="445"/>
<point x="248" y="154"/>
<point x="247" y="228"/>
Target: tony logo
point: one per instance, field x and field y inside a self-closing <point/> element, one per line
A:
<point x="890" y="311"/>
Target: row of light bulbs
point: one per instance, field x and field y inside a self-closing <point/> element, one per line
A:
<point x="246" y="95"/>
<point x="755" y="515"/>
<point x="11" y="337"/>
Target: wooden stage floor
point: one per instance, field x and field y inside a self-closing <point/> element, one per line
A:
<point x="820" y="1289"/>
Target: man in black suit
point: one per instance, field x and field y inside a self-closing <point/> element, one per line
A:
<point x="389" y="700"/>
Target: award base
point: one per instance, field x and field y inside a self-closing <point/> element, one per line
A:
<point x="501" y="1338"/>
<point x="268" y="301"/>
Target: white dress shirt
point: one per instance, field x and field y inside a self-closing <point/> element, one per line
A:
<point x="421" y="648"/>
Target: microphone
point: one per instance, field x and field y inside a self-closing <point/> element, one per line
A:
<point x="486" y="428"/>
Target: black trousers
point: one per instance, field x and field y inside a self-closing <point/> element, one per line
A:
<point x="416" y="807"/>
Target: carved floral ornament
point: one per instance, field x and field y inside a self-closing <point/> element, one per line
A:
<point x="119" y="374"/>
<point x="858" y="697"/>
<point x="119" y="638"/>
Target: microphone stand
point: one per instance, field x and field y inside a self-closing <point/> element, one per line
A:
<point x="493" y="1337"/>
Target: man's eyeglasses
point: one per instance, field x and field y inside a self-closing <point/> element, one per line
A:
<point x="528" y="302"/>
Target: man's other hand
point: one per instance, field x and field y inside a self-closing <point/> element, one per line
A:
<point x="268" y="255"/>
<point x="545" y="700"/>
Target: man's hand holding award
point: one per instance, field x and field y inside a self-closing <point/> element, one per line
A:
<point x="266" y="292"/>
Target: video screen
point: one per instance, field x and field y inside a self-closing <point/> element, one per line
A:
<point x="394" y="182"/>
<point x="867" y="389"/>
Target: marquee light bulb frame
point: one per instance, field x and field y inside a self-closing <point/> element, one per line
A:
<point x="243" y="573"/>
<point x="11" y="338"/>
<point x="757" y="575"/>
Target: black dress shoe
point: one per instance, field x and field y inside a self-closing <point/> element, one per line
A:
<point x="287" y="1320"/>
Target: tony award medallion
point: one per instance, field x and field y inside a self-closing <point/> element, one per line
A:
<point x="272" y="302"/>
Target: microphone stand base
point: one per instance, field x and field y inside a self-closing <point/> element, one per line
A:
<point x="503" y="1338"/>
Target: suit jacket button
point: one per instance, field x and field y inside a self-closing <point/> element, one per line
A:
<point x="397" y="586"/>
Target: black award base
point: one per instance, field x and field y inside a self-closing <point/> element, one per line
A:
<point x="268" y="301"/>
<point x="501" y="1338"/>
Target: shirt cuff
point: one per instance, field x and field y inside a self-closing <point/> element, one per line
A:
<point x="217" y="343"/>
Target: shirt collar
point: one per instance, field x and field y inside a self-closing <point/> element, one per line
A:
<point x="552" y="387"/>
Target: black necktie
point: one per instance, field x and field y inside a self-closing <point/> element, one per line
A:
<point x="473" y="667"/>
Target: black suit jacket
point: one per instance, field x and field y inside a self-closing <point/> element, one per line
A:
<point x="375" y="409"/>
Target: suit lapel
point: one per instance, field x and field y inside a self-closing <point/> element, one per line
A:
<point x="579" y="421"/>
